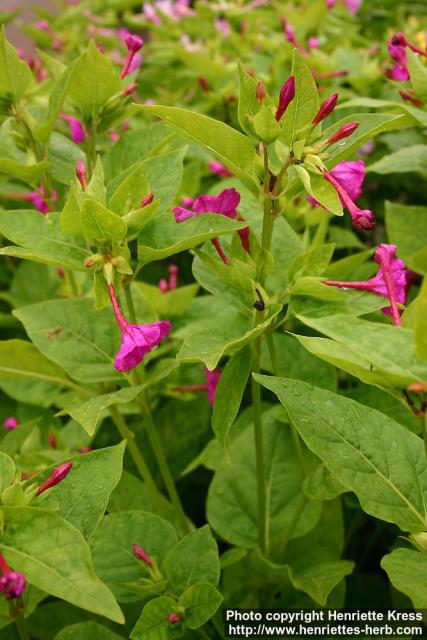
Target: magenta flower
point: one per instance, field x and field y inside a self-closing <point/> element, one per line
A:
<point x="77" y="132"/>
<point x="187" y="202"/>
<point x="12" y="583"/>
<point x="222" y="26"/>
<point x="391" y="281"/>
<point x="55" y="477"/>
<point x="11" y="422"/>
<point x="146" y="200"/>
<point x="287" y="94"/>
<point x="350" y="174"/>
<point x="326" y="108"/>
<point x="348" y="188"/>
<point x="397" y="51"/>
<point x="313" y="42"/>
<point x="289" y="33"/>
<point x="149" y="13"/>
<point x="142" y="555"/>
<point x="134" y="44"/>
<point x="174" y="618"/>
<point x="212" y="379"/>
<point x="218" y="169"/>
<point x="353" y="5"/>
<point x="137" y="339"/>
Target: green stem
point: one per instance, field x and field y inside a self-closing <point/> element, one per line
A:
<point x="71" y="280"/>
<point x="22" y="628"/>
<point x="138" y="459"/>
<point x="259" y="452"/>
<point x="272" y="353"/>
<point x="321" y="231"/>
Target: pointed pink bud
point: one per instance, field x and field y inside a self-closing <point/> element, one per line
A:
<point x="11" y="423"/>
<point x="57" y="476"/>
<point x="174" y="618"/>
<point x="134" y="44"/>
<point x="163" y="285"/>
<point x="287" y="94"/>
<point x="85" y="450"/>
<point x="81" y="174"/>
<point x="260" y="92"/>
<point x="142" y="555"/>
<point x="127" y="91"/>
<point x="204" y="84"/>
<point x="326" y="108"/>
<point x="343" y="132"/>
<point x="52" y="441"/>
<point x="148" y="199"/>
<point x="405" y="95"/>
<point x="61" y="272"/>
<point x="173" y="276"/>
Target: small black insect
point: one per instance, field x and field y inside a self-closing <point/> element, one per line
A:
<point x="259" y="305"/>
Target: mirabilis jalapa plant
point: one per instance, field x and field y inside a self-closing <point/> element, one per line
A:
<point x="302" y="349"/>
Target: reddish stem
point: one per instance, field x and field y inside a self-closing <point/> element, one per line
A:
<point x="216" y="244"/>
<point x="3" y="565"/>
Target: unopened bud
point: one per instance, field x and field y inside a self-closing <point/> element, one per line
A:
<point x="204" y="84"/>
<point x="326" y="108"/>
<point x="173" y="276"/>
<point x="133" y="43"/>
<point x="61" y="273"/>
<point x="163" y="285"/>
<point x="174" y="618"/>
<point x="343" y="132"/>
<point x="287" y="94"/>
<point x="127" y="91"/>
<point x="148" y="199"/>
<point x="12" y="585"/>
<point x="417" y="387"/>
<point x="81" y="174"/>
<point x="10" y="423"/>
<point x="399" y="40"/>
<point x="142" y="555"/>
<point x="57" y="476"/>
<point x="52" y="441"/>
<point x="260" y="92"/>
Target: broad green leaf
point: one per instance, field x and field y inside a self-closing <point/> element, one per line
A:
<point x="322" y="484"/>
<point x="407" y="228"/>
<point x="62" y="156"/>
<point x="86" y="630"/>
<point x="74" y="335"/>
<point x="420" y="322"/>
<point x="202" y="601"/>
<point x="222" y="330"/>
<point x="7" y="470"/>
<point x="321" y="190"/>
<point x="61" y="76"/>
<point x="127" y="197"/>
<point x="312" y="262"/>
<point x="266" y="126"/>
<point x="407" y="570"/>
<point x="193" y="559"/>
<point x="20" y="360"/>
<point x="100" y="225"/>
<point x="91" y="412"/>
<point x="153" y="623"/>
<point x="94" y="80"/>
<point x="231" y="147"/>
<point x="229" y="393"/>
<point x="113" y="556"/>
<point x="305" y="105"/>
<point x="167" y="304"/>
<point x="162" y="236"/>
<point x="411" y="159"/>
<point x="52" y="247"/>
<point x="35" y="543"/>
<point x="377" y="458"/>
<point x="132" y="495"/>
<point x="418" y="75"/>
<point x="29" y="173"/>
<point x="83" y="495"/>
<point x="232" y="498"/>
<point x="15" y="74"/>
<point x="389" y="351"/>
<point x="344" y="268"/>
<point x="249" y="106"/>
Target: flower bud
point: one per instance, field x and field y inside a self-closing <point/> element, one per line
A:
<point x="12" y="585"/>
<point x="127" y="91"/>
<point x="142" y="555"/>
<point x="81" y="174"/>
<point x="133" y="43"/>
<point x="52" y="441"/>
<point x="173" y="276"/>
<point x="11" y="422"/>
<point x="343" y="132"/>
<point x="163" y="285"/>
<point x="57" y="476"/>
<point x="148" y="199"/>
<point x="203" y="84"/>
<point x="326" y="108"/>
<point x="174" y="618"/>
<point x="287" y="94"/>
<point x="260" y="92"/>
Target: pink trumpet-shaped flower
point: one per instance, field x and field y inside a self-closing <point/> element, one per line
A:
<point x="77" y="131"/>
<point x="137" y="339"/>
<point x="391" y="281"/>
<point x="347" y="183"/>
<point x="11" y="422"/>
<point x="55" y="477"/>
<point x="12" y="583"/>
<point x="134" y="44"/>
<point x="219" y="170"/>
<point x="287" y="94"/>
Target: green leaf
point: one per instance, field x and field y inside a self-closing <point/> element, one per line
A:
<point x="229" y="393"/>
<point x="377" y="458"/>
<point x="305" y="105"/>
<point x="411" y="159"/>
<point x="221" y="330"/>
<point x="52" y="247"/>
<point x="34" y="544"/>
<point x="167" y="304"/>
<point x="420" y="322"/>
<point x="193" y="559"/>
<point x="231" y="147"/>
<point x="266" y="126"/>
<point x="321" y="190"/>
<point x="29" y="173"/>
<point x="407" y="228"/>
<point x="100" y="225"/>
<point x="232" y="499"/>
<point x="249" y="106"/>
<point x="162" y="236"/>
<point x="389" y="350"/>
<point x="418" y="75"/>
<point x="128" y="195"/>
<point x="83" y="495"/>
<point x="407" y="570"/>
<point x="63" y="155"/>
<point x="15" y="74"/>
<point x="113" y="556"/>
<point x="20" y="360"/>
<point x="312" y="262"/>
<point x="74" y="335"/>
<point x="93" y="81"/>
<point x="7" y="470"/>
<point x="86" y="630"/>
<point x="153" y="623"/>
<point x="202" y="600"/>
